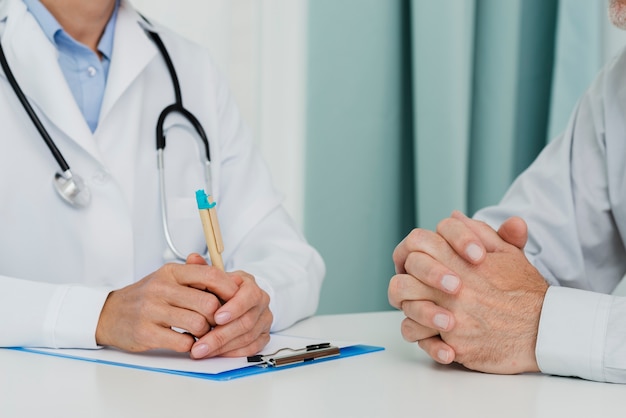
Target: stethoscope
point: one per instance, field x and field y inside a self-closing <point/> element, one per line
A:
<point x="73" y="189"/>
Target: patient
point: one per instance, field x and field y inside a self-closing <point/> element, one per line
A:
<point x="525" y="286"/>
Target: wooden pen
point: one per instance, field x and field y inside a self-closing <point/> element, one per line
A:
<point x="212" y="233"/>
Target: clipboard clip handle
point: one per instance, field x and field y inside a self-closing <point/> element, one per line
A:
<point x="286" y="356"/>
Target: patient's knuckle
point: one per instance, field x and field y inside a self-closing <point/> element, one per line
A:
<point x="417" y="236"/>
<point x="407" y="329"/>
<point x="444" y="224"/>
<point x="413" y="259"/>
<point x="392" y="289"/>
<point x="396" y="288"/>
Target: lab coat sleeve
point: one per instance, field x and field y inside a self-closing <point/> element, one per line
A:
<point x="49" y="315"/>
<point x="259" y="236"/>
<point x="565" y="198"/>
<point x="284" y="265"/>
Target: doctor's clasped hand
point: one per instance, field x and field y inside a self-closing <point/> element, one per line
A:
<point x="188" y="296"/>
<point x="470" y="295"/>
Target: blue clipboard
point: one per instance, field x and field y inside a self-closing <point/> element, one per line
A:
<point x="247" y="370"/>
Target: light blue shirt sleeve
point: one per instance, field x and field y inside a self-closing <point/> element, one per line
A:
<point x="84" y="71"/>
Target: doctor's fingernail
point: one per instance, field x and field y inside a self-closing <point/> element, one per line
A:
<point x="441" y="320"/>
<point x="443" y="355"/>
<point x="450" y="282"/>
<point x="200" y="350"/>
<point x="474" y="252"/>
<point x="222" y="318"/>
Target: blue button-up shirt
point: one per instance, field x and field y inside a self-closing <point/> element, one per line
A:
<point x="85" y="72"/>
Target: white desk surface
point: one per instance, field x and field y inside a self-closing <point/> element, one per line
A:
<point x="398" y="382"/>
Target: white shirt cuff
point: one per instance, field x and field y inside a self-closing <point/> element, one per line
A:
<point x="74" y="313"/>
<point x="572" y="333"/>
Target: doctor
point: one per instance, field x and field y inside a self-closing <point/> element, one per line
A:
<point x="535" y="294"/>
<point x="101" y="274"/>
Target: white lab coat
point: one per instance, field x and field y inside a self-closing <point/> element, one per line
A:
<point x="57" y="263"/>
<point x="573" y="198"/>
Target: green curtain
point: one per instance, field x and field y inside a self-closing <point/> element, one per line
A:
<point x="415" y="108"/>
<point x="358" y="203"/>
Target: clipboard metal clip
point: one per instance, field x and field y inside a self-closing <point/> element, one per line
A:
<point x="286" y="356"/>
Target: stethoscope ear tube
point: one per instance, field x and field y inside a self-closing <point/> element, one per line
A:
<point x="177" y="106"/>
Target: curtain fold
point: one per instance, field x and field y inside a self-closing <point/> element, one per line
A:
<point x="356" y="198"/>
<point x="513" y="60"/>
<point x="441" y="62"/>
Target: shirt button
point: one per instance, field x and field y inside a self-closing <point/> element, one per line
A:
<point x="91" y="71"/>
<point x="100" y="178"/>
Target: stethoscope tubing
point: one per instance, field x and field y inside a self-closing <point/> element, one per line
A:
<point x="65" y="168"/>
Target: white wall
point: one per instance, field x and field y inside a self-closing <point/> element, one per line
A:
<point x="261" y="47"/>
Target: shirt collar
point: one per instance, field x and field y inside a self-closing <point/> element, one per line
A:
<point x="48" y="23"/>
<point x="105" y="46"/>
<point x="51" y="27"/>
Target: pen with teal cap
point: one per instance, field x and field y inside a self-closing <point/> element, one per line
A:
<point x="212" y="233"/>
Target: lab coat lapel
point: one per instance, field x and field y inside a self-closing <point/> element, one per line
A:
<point x="33" y="60"/>
<point x="132" y="51"/>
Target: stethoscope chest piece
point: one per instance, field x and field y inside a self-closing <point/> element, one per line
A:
<point x="72" y="189"/>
